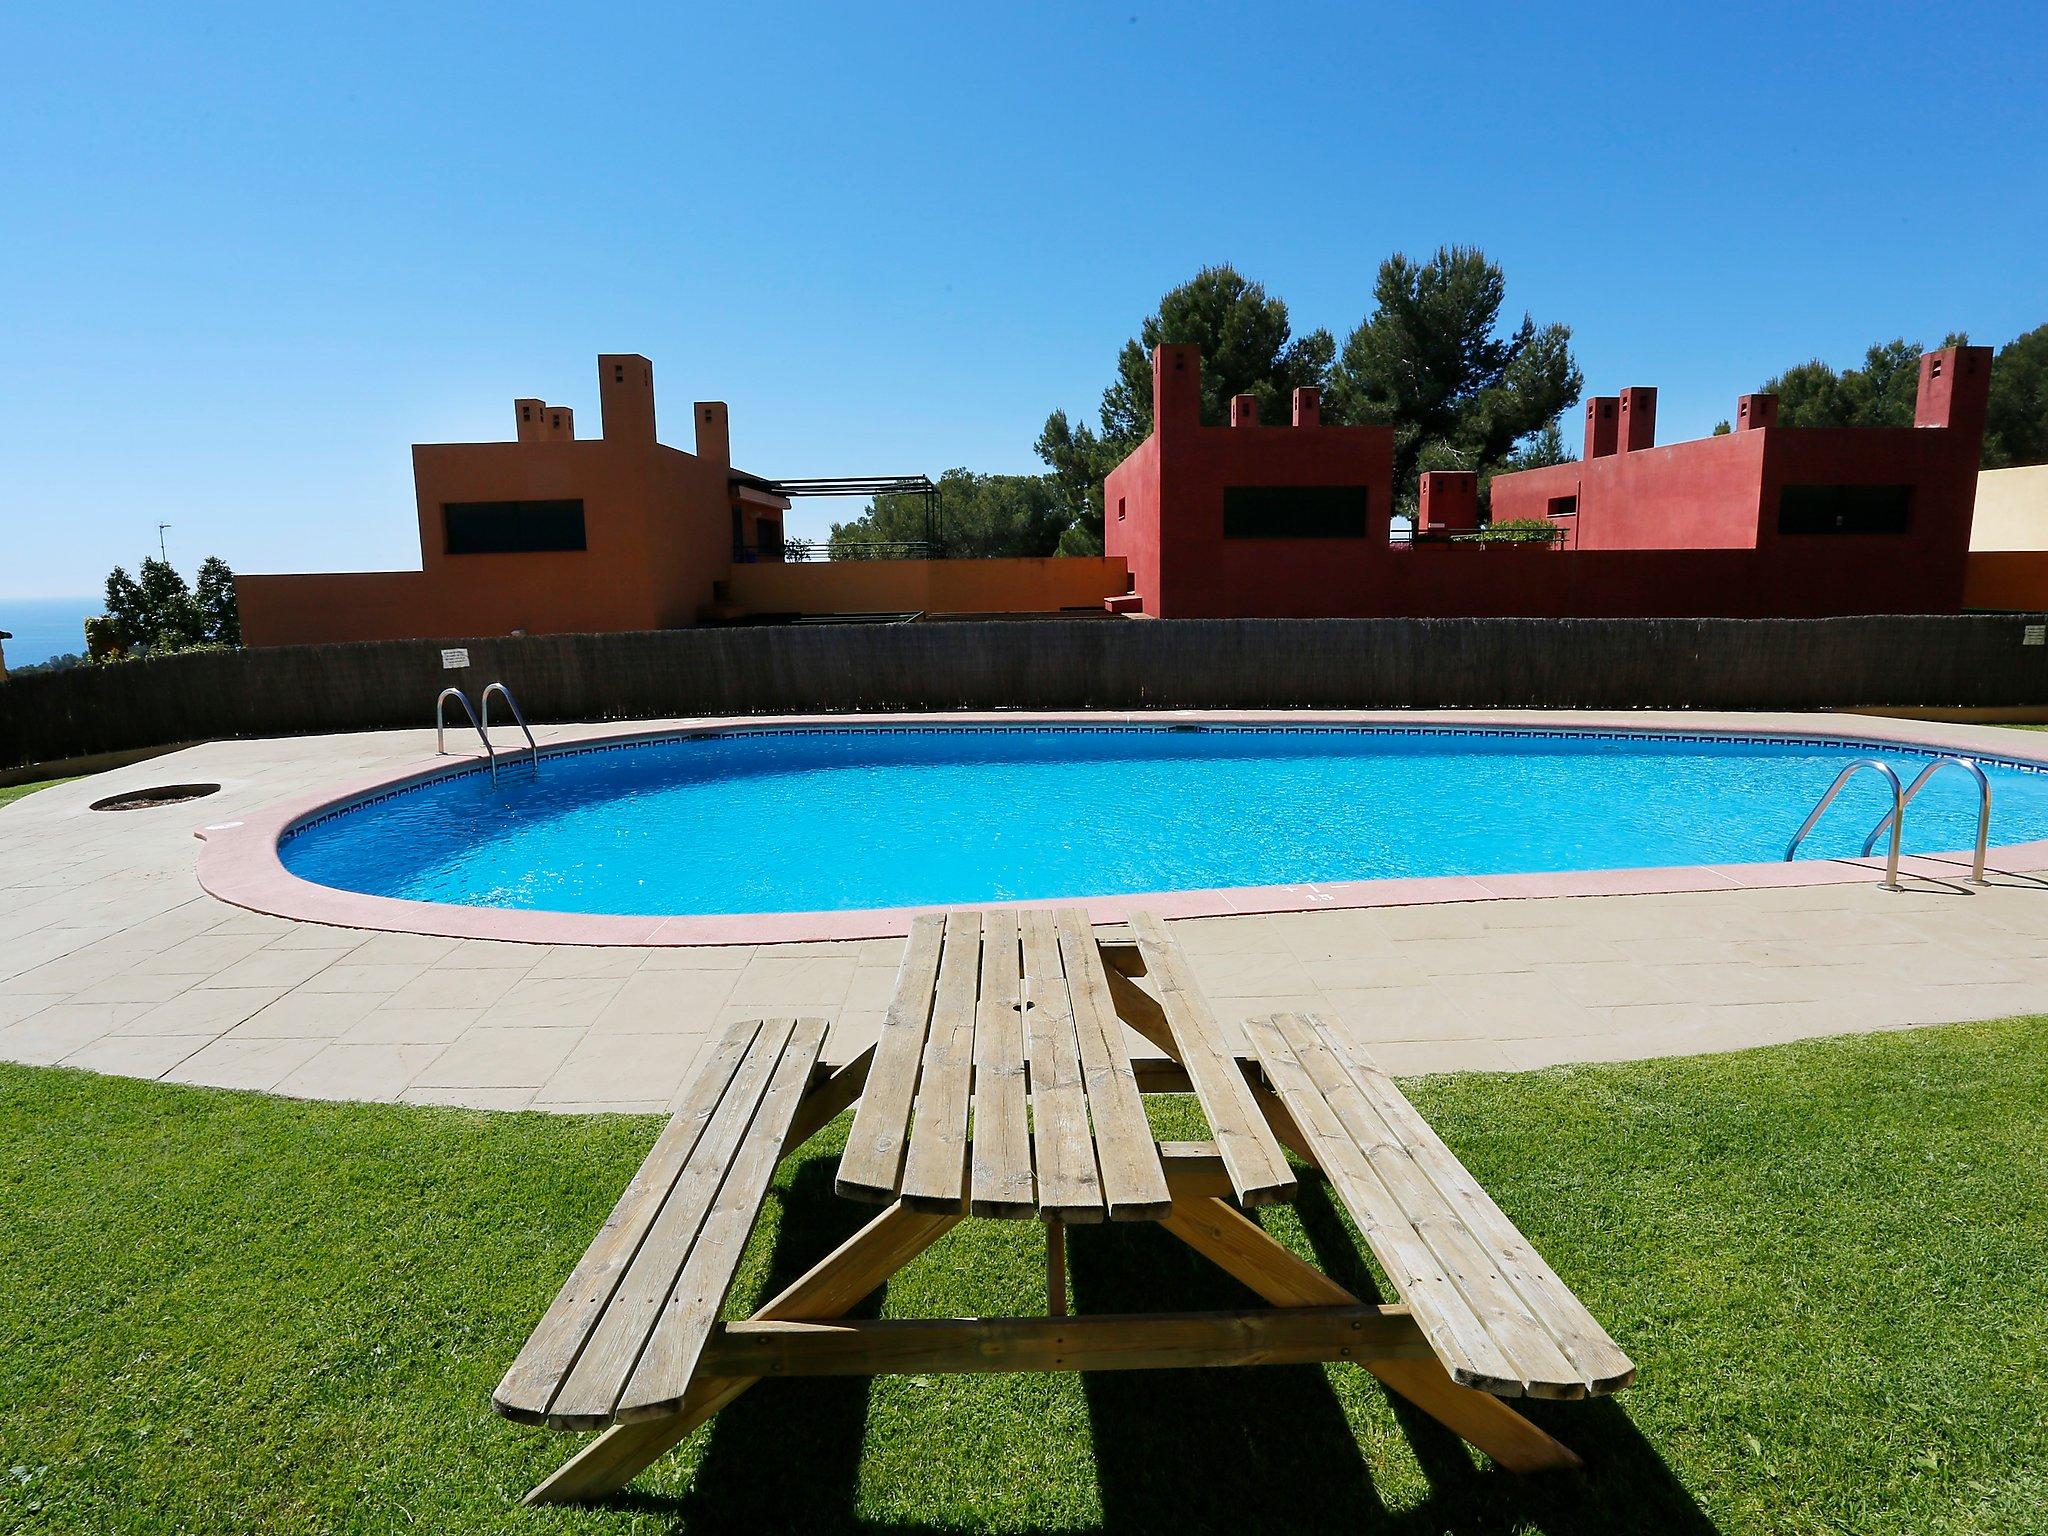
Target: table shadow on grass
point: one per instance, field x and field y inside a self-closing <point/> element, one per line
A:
<point x="1174" y="1452"/>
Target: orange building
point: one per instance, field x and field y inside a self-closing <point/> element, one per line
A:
<point x="547" y="533"/>
<point x="556" y="534"/>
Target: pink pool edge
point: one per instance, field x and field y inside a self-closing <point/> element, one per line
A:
<point x="239" y="862"/>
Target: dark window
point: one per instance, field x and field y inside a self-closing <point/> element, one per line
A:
<point x="512" y="527"/>
<point x="1294" y="511"/>
<point x="1845" y="508"/>
<point x="1564" y="506"/>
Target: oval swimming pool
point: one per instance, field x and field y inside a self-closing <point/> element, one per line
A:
<point x="832" y="818"/>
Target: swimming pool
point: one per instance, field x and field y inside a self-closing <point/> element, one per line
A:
<point x="821" y="818"/>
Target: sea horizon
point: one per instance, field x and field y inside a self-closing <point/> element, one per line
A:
<point x="44" y="627"/>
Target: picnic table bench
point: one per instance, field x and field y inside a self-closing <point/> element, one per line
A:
<point x="1002" y="1086"/>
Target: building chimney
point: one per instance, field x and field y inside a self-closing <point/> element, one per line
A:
<point x="1755" y="412"/>
<point x="1638" y="424"/>
<point x="528" y="416"/>
<point x="1600" y="425"/>
<point x="1244" y="410"/>
<point x="1448" y="501"/>
<point x="1955" y="388"/>
<point x="1176" y="388"/>
<point x="1308" y="406"/>
<point x="714" y="436"/>
<point x="560" y="424"/>
<point x="625" y="398"/>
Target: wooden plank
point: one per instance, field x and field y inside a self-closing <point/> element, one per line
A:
<point x="529" y="1386"/>
<point x="1258" y="1167"/>
<point x="872" y="1164"/>
<point x="829" y="1093"/>
<point x="1238" y="1245"/>
<point x="999" y="1177"/>
<point x="1594" y="1355"/>
<point x="830" y="1288"/>
<point x="1069" y="1187"/>
<point x="1133" y="1182"/>
<point x="1446" y="1280"/>
<point x="935" y="1169"/>
<point x="1545" y="1368"/>
<point x="1097" y="1342"/>
<point x="590" y="1390"/>
<point x="659" y="1381"/>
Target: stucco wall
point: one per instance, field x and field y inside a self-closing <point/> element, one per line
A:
<point x="2012" y="509"/>
<point x="927" y="586"/>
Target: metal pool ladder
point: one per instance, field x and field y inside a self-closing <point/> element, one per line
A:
<point x="532" y="746"/>
<point x="1896" y="815"/>
<point x="1892" y="817"/>
<point x="481" y="727"/>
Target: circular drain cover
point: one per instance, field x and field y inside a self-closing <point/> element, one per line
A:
<point x="161" y="794"/>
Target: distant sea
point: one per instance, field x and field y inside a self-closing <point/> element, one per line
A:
<point x="45" y="626"/>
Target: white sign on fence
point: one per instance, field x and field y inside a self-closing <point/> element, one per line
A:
<point x="459" y="657"/>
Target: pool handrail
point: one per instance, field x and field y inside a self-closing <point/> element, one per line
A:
<point x="441" y="725"/>
<point x="532" y="746"/>
<point x="1891" y="869"/>
<point x="1983" y="808"/>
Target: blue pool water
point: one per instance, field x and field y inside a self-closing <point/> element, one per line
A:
<point x="832" y="818"/>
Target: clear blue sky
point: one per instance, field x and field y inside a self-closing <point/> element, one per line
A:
<point x="251" y="253"/>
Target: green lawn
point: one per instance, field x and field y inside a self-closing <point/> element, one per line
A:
<point x="16" y="791"/>
<point x="225" y="1312"/>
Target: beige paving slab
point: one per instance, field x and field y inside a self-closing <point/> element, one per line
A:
<point x="273" y="968"/>
<point x="1249" y="973"/>
<point x="374" y="1072"/>
<point x="573" y="961"/>
<point x="353" y="974"/>
<point x="136" y="1055"/>
<point x="48" y="1037"/>
<point x="202" y="1010"/>
<point x="771" y="981"/>
<point x="559" y="1002"/>
<point x="141" y="987"/>
<point x="307" y="1016"/>
<point x="258" y="1064"/>
<point x="609" y="1068"/>
<point x="657" y="1002"/>
<point x="469" y="1098"/>
<point x="500" y="1058"/>
<point x="456" y="988"/>
<point x="385" y="1025"/>
<point x="14" y="1007"/>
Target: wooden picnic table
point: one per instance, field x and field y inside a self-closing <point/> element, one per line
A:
<point x="1002" y="1085"/>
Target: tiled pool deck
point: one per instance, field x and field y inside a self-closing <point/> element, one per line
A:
<point x="112" y="958"/>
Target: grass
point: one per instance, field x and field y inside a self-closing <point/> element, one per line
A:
<point x="9" y="792"/>
<point x="226" y="1313"/>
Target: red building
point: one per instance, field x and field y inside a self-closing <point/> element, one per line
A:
<point x="1250" y="521"/>
<point x="1246" y="520"/>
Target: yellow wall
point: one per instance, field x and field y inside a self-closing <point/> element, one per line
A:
<point x="928" y="586"/>
<point x="2012" y="509"/>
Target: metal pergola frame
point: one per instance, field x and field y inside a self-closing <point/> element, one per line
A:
<point x="870" y="486"/>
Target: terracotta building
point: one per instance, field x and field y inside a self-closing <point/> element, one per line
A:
<point x="549" y="532"/>
<point x="1253" y="521"/>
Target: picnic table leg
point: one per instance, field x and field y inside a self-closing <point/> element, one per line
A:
<point x="1055" y="1267"/>
<point x="824" y="1102"/>
<point x="830" y="1288"/>
<point x="1219" y="1232"/>
<point x="1141" y="1011"/>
